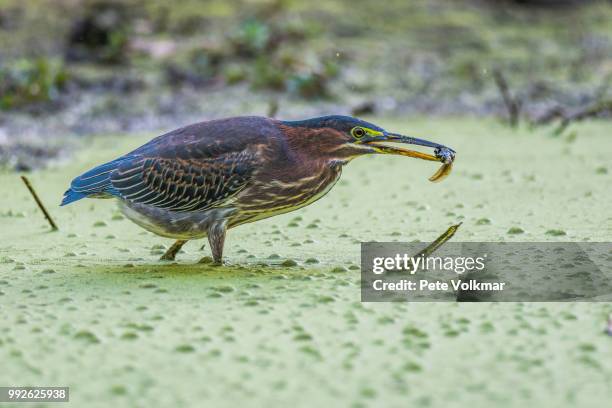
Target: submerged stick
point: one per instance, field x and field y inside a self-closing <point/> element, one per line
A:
<point x="40" y="204"/>
<point x="441" y="240"/>
<point x="437" y="243"/>
<point x="566" y="117"/>
<point x="593" y="111"/>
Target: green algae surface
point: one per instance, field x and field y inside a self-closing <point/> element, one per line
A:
<point x="92" y="308"/>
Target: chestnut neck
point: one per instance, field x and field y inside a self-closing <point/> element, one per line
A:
<point x="325" y="144"/>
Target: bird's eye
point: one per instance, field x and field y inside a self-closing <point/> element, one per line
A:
<point x="358" y="132"/>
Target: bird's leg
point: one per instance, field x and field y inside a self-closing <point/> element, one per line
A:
<point x="173" y="250"/>
<point x="216" y="239"/>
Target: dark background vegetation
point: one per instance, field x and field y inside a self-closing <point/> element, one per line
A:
<point x="76" y="67"/>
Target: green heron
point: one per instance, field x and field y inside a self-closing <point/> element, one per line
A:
<point x="200" y="180"/>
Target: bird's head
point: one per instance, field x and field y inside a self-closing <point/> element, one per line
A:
<point x="344" y="138"/>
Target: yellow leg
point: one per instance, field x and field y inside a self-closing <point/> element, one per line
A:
<point x="173" y="250"/>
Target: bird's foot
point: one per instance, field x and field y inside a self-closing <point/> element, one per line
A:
<point x="207" y="260"/>
<point x="168" y="256"/>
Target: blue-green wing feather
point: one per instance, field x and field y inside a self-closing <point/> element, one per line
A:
<point x="191" y="168"/>
<point x="183" y="184"/>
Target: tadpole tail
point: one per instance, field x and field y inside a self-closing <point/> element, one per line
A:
<point x="442" y="173"/>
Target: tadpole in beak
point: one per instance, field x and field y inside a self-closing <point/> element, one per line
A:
<point x="442" y="154"/>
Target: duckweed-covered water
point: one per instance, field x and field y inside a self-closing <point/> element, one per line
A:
<point x="92" y="308"/>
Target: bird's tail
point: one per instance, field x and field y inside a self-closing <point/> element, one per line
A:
<point x="95" y="182"/>
<point x="71" y="196"/>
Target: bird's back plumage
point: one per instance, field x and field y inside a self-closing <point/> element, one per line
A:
<point x="186" y="184"/>
<point x="191" y="168"/>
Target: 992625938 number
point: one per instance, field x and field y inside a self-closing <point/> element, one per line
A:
<point x="17" y="394"/>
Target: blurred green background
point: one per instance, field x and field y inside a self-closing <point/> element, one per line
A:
<point x="73" y="67"/>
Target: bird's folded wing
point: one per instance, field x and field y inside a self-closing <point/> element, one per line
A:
<point x="183" y="184"/>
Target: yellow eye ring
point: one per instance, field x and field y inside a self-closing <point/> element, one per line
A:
<point x="358" y="132"/>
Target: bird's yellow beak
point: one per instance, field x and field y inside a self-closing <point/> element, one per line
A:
<point x="442" y="153"/>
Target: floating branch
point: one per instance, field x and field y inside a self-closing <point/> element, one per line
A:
<point x="582" y="114"/>
<point x="566" y="117"/>
<point x="40" y="204"/>
<point x="513" y="104"/>
<point x="441" y="240"/>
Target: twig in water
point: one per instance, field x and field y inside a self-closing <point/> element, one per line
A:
<point x="513" y="104"/>
<point x="566" y="118"/>
<point x="40" y="204"/>
<point x="589" y="112"/>
<point x="441" y="240"/>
